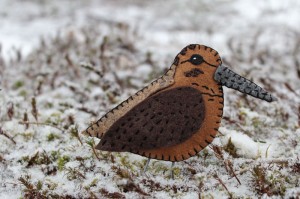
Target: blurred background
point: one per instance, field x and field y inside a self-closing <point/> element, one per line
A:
<point x="64" y="63"/>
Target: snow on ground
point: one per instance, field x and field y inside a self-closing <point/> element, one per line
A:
<point x="128" y="44"/>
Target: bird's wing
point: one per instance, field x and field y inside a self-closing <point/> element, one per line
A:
<point x="99" y="128"/>
<point x="164" y="119"/>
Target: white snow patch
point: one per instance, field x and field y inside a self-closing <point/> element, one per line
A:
<point x="246" y="147"/>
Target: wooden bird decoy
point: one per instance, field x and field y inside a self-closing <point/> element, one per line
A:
<point x="178" y="114"/>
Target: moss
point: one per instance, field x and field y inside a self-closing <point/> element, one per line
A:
<point x="94" y="182"/>
<point x="62" y="161"/>
<point x="49" y="105"/>
<point x="39" y="158"/>
<point x="125" y="161"/>
<point x="55" y="119"/>
<point x="159" y="167"/>
<point x="204" y="155"/>
<point x="176" y="172"/>
<point x="231" y="149"/>
<point x="75" y="133"/>
<point x="27" y="135"/>
<point x="18" y="84"/>
<point x="123" y="173"/>
<point x="55" y="155"/>
<point x="23" y="93"/>
<point x="51" y="137"/>
<point x="256" y="122"/>
<point x="24" y="159"/>
<point x="39" y="185"/>
<point x="269" y="182"/>
<point x="50" y="185"/>
<point x="73" y="174"/>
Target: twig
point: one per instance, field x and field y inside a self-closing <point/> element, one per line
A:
<point x="219" y="154"/>
<point x="91" y="143"/>
<point x="7" y="136"/>
<point x="102" y="57"/>
<point x="270" y="161"/>
<point x="297" y="65"/>
<point x="222" y="183"/>
<point x="299" y="115"/>
<point x="283" y="161"/>
<point x="74" y="132"/>
<point x="25" y="119"/>
<point x="229" y="120"/>
<point x="131" y="186"/>
<point x="86" y="110"/>
<point x="289" y="87"/>
<point x="233" y="173"/>
<point x="26" y="183"/>
<point x="32" y="160"/>
<point x="108" y="194"/>
<point x="89" y="66"/>
<point x="10" y="110"/>
<point x="70" y="63"/>
<point x="34" y="110"/>
<point x="53" y="79"/>
<point x="76" y="90"/>
<point x="94" y="151"/>
<point x="40" y="81"/>
<point x="40" y="123"/>
<point x="73" y="173"/>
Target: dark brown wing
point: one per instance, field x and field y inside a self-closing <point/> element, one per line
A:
<point x="163" y="119"/>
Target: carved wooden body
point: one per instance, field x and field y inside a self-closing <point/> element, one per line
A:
<point x="173" y="118"/>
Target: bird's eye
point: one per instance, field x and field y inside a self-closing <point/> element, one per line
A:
<point x="196" y="59"/>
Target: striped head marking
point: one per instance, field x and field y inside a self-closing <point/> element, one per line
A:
<point x="197" y="60"/>
<point x="195" y="66"/>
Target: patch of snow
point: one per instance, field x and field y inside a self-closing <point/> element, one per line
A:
<point x="246" y="147"/>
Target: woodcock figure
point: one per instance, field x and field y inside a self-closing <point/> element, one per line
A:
<point x="177" y="115"/>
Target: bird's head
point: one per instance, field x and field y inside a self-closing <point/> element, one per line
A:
<point x="202" y="66"/>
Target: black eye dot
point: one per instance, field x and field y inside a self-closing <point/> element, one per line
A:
<point x="196" y="59"/>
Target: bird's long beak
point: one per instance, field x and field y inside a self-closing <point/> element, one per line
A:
<point x="230" y="79"/>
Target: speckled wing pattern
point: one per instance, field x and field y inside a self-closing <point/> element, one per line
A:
<point x="164" y="119"/>
<point x="99" y="128"/>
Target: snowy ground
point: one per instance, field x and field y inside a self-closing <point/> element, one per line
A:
<point x="129" y="43"/>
